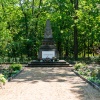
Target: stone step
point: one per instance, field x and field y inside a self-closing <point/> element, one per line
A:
<point x="47" y="66"/>
<point x="60" y="63"/>
<point x="49" y="63"/>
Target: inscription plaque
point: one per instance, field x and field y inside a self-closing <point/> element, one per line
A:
<point x="48" y="54"/>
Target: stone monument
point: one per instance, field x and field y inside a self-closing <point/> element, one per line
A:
<point x="48" y="49"/>
<point x="48" y="54"/>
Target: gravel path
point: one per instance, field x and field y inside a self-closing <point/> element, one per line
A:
<point x="48" y="84"/>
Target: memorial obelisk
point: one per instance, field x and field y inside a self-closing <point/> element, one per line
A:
<point x="48" y="48"/>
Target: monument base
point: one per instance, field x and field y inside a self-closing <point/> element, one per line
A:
<point x="60" y="63"/>
<point x="48" y="50"/>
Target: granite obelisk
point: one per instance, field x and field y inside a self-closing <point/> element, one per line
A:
<point x="48" y="48"/>
<point x="48" y="30"/>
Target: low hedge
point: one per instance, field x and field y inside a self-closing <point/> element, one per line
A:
<point x="15" y="67"/>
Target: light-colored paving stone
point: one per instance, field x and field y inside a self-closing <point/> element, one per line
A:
<point x="48" y="84"/>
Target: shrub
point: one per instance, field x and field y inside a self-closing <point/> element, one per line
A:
<point x="5" y="72"/>
<point x="14" y="67"/>
<point x="98" y="72"/>
<point x="80" y="71"/>
<point x="77" y="66"/>
<point x="2" y="79"/>
<point x="94" y="79"/>
<point x="96" y="59"/>
<point x="93" y="73"/>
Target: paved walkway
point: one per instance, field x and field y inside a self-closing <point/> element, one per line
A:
<point x="48" y="84"/>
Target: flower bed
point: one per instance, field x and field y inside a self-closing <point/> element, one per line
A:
<point x="91" y="75"/>
<point x="10" y="72"/>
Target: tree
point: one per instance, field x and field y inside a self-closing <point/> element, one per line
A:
<point x="75" y="25"/>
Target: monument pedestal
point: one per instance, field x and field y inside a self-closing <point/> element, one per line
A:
<point x="48" y="50"/>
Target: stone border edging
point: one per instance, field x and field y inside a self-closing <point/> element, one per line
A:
<point x="10" y="78"/>
<point x="91" y="83"/>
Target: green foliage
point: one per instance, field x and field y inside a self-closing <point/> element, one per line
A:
<point x="77" y="66"/>
<point x="12" y="70"/>
<point x="84" y="71"/>
<point x="96" y="59"/>
<point x="98" y="71"/>
<point x="22" y="26"/>
<point x="94" y="79"/>
<point x="23" y="59"/>
<point x="6" y="72"/>
<point x="14" y="67"/>
<point x="93" y="73"/>
<point x="2" y="79"/>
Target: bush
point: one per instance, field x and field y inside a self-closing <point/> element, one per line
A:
<point x="5" y="72"/>
<point x="14" y="67"/>
<point x="96" y="59"/>
<point x="98" y="72"/>
<point x="77" y="66"/>
<point x="93" y="73"/>
<point x="2" y="79"/>
<point x="94" y="79"/>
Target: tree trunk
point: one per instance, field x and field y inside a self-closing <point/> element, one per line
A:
<point x="75" y="42"/>
<point x="84" y="50"/>
<point x="32" y="7"/>
<point x="75" y="3"/>
<point x="88" y="48"/>
<point x="75" y="32"/>
<point x="36" y="29"/>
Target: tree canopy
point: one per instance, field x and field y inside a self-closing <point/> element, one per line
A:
<point x="75" y="25"/>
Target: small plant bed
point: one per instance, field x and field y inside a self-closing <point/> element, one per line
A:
<point x="10" y="72"/>
<point x="91" y="75"/>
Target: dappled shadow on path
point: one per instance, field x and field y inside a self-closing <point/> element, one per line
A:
<point x="45" y="74"/>
<point x="74" y="85"/>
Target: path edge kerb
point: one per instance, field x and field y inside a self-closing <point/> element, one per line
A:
<point x="12" y="77"/>
<point x="91" y="83"/>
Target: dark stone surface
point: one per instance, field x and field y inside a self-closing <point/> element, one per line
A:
<point x="37" y="63"/>
<point x="48" y="30"/>
<point x="48" y="43"/>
